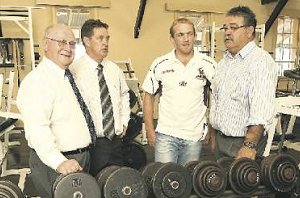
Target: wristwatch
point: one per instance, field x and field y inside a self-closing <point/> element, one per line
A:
<point x="250" y="144"/>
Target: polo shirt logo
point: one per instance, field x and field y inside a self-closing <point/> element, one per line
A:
<point x="168" y="71"/>
<point x="182" y="83"/>
<point x="201" y="74"/>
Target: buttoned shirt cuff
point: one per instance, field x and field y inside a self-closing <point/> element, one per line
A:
<point x="125" y="121"/>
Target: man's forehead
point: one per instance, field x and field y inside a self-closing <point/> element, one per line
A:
<point x="100" y="31"/>
<point x="183" y="28"/>
<point x="66" y="35"/>
<point x="183" y="25"/>
<point x="183" y="32"/>
<point x="234" y="19"/>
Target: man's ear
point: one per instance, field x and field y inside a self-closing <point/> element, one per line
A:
<point x="86" y="41"/>
<point x="46" y="45"/>
<point x="171" y="39"/>
<point x="250" y="31"/>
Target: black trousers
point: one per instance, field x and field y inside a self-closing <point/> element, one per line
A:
<point x="106" y="152"/>
<point x="228" y="146"/>
<point x="43" y="176"/>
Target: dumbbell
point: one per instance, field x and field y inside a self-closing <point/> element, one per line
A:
<point x="167" y="180"/>
<point x="76" y="185"/>
<point x="243" y="174"/>
<point x="9" y="190"/>
<point x="209" y="178"/>
<point x="122" y="182"/>
<point x="279" y="172"/>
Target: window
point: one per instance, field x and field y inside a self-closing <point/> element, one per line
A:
<point x="286" y="43"/>
<point x="203" y="31"/>
<point x="74" y="17"/>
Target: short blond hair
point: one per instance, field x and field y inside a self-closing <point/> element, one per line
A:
<point x="183" y="21"/>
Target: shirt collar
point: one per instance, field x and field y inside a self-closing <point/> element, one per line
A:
<point x="93" y="64"/>
<point x="243" y="52"/>
<point x="195" y="56"/>
<point x="54" y="67"/>
<point x="247" y="49"/>
<point x="172" y="55"/>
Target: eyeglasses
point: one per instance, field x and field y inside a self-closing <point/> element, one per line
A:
<point x="231" y="27"/>
<point x="63" y="43"/>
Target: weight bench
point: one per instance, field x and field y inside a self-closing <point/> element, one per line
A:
<point x="288" y="105"/>
<point x="284" y="105"/>
<point x="7" y="125"/>
<point x="295" y="76"/>
<point x="135" y="91"/>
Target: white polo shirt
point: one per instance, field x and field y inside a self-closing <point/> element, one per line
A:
<point x="181" y="105"/>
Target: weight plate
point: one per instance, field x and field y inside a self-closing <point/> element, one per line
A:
<point x="244" y="176"/>
<point x="172" y="180"/>
<point x="79" y="185"/>
<point x="280" y="172"/>
<point x="148" y="173"/>
<point x="209" y="179"/>
<point x="225" y="163"/>
<point x="190" y="166"/>
<point x="125" y="182"/>
<point x="9" y="190"/>
<point x="264" y="169"/>
<point x="103" y="175"/>
<point x="4" y="193"/>
<point x="15" y="188"/>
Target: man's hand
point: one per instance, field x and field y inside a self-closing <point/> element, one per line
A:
<point x="151" y="137"/>
<point x="246" y="152"/>
<point x="253" y="137"/>
<point x="69" y="166"/>
<point x="210" y="138"/>
<point x="124" y="131"/>
<point x="148" y="108"/>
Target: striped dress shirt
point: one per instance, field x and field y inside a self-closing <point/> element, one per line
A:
<point x="244" y="91"/>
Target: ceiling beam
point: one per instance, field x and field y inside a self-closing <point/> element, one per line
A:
<point x="263" y="2"/>
<point x="1" y="34"/>
<point x="280" y="5"/>
<point x="139" y="18"/>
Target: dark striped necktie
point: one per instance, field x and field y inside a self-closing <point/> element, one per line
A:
<point x="83" y="107"/>
<point x="107" y="108"/>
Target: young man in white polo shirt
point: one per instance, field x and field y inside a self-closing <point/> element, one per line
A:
<point x="180" y="76"/>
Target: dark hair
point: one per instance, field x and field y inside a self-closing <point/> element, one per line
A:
<point x="183" y="21"/>
<point x="247" y="13"/>
<point x="89" y="25"/>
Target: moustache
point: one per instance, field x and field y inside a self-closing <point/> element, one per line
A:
<point x="228" y="39"/>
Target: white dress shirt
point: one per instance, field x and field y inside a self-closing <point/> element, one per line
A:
<point x="52" y="117"/>
<point x="85" y="74"/>
<point x="181" y="105"/>
<point x="244" y="91"/>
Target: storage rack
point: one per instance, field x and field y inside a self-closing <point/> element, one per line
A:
<point x="22" y="16"/>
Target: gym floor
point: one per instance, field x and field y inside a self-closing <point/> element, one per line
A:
<point x="18" y="158"/>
